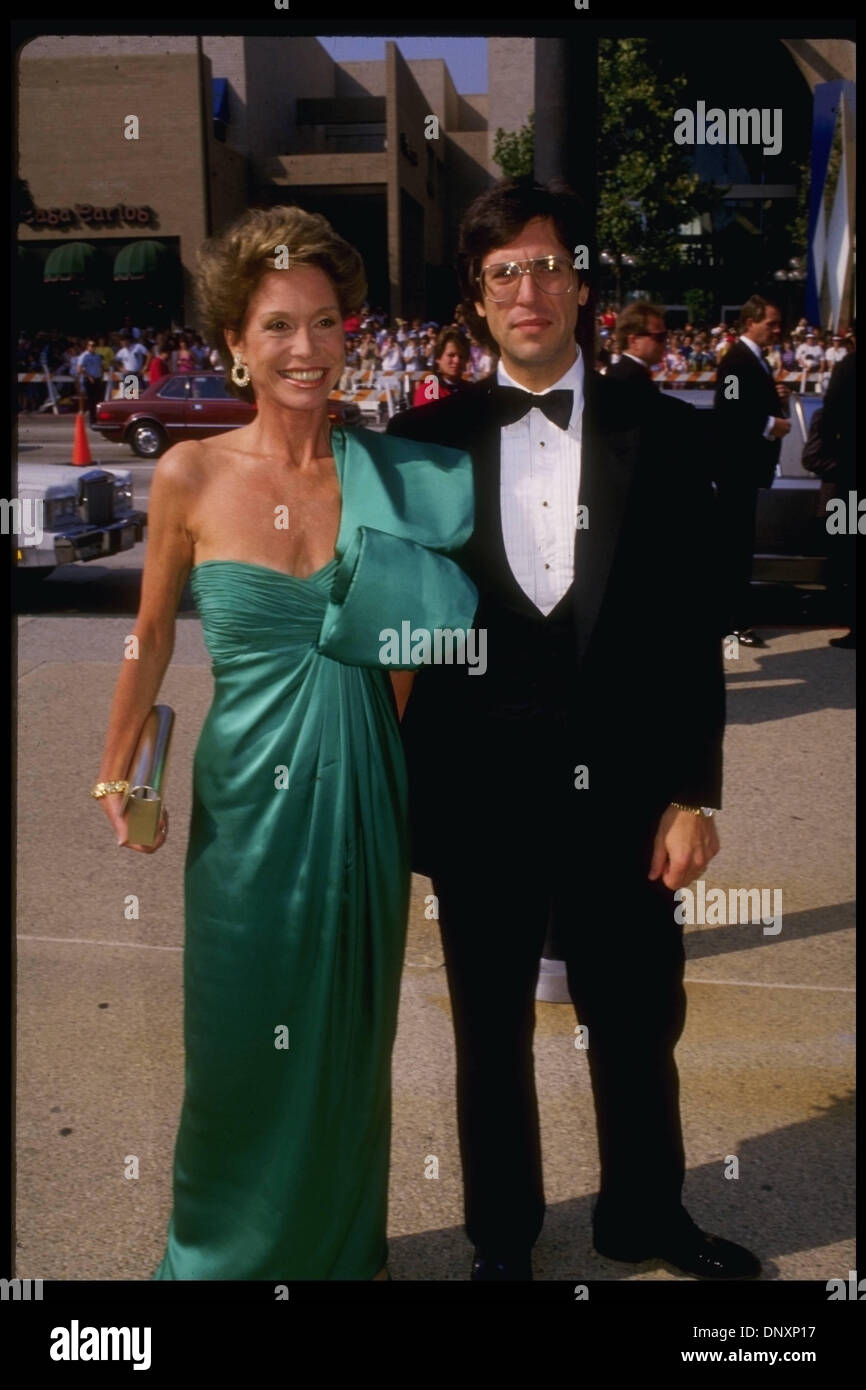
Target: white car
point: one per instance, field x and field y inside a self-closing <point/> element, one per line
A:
<point x="64" y="513"/>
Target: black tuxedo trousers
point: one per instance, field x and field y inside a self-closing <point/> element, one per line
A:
<point x="532" y="860"/>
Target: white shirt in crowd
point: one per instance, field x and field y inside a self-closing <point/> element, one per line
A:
<point x="392" y="360"/>
<point x="132" y="358"/>
<point x="809" y="355"/>
<point x="835" y="354"/>
<point x="538" y="491"/>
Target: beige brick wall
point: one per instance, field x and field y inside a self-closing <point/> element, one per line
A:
<point x="510" y="88"/>
<point x="323" y="168"/>
<point x="72" y="147"/>
<point x="360" y="79"/>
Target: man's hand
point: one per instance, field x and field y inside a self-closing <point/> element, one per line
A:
<point x="684" y="845"/>
<point x="782" y="391"/>
<point x="780" y="428"/>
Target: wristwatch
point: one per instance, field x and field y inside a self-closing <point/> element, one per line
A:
<point x="695" y="810"/>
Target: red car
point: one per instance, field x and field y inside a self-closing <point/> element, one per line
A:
<point x="187" y="405"/>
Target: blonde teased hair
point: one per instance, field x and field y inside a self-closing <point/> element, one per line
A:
<point x="231" y="265"/>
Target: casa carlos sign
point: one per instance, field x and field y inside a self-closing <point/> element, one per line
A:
<point x="91" y="215"/>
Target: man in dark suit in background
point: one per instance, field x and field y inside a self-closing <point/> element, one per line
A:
<point x="640" y="339"/>
<point x="575" y="782"/>
<point x="749" y="409"/>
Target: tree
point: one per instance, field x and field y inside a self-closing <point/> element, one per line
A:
<point x="647" y="187"/>
<point x="514" y="151"/>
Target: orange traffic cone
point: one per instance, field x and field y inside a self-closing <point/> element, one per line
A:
<point x="81" y="454"/>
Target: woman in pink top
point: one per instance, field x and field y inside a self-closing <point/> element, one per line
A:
<point x="185" y="360"/>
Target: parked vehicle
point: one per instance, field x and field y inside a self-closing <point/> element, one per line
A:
<point x="67" y="513"/>
<point x="186" y="406"/>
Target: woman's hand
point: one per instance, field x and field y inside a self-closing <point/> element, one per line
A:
<point x="112" y="806"/>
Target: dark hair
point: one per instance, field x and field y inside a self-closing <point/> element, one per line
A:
<point x="755" y="309"/>
<point x="450" y="335"/>
<point x="634" y="320"/>
<point x="496" y="217"/>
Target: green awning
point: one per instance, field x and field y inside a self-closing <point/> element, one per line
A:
<point x="140" y="260"/>
<point x="73" y="261"/>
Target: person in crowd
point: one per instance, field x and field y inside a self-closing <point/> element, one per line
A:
<point x="106" y="352"/>
<point x="482" y="360"/>
<point x="130" y="357"/>
<point x="352" y="361"/>
<point x="591" y="525"/>
<point x="834" y="354"/>
<point x="412" y="352"/>
<point x="450" y="359"/>
<point x="89" y="375"/>
<point x="199" y="352"/>
<point x="158" y="365"/>
<point x="751" y="414"/>
<point x="392" y="357"/>
<point x="789" y="356"/>
<point x="183" y="358"/>
<point x="368" y="356"/>
<point x="640" y="337"/>
<point x="810" y="359"/>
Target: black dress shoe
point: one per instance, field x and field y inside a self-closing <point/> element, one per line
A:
<point x="689" y="1249"/>
<point x="499" y="1269"/>
<point x="747" y="637"/>
<point x="847" y="643"/>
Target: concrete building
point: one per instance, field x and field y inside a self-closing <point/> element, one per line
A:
<point x="389" y="151"/>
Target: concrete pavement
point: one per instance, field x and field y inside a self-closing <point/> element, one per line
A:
<point x="766" y="1062"/>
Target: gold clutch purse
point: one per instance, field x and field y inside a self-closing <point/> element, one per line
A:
<point x="143" y="803"/>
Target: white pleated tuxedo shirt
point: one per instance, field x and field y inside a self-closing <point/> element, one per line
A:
<point x="538" y="491"/>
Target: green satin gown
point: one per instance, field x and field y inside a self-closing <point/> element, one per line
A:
<point x="297" y="880"/>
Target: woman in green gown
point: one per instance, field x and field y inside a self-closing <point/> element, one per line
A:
<point x="303" y="545"/>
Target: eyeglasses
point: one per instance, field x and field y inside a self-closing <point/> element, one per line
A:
<point x="659" y="337"/>
<point x="553" y="274"/>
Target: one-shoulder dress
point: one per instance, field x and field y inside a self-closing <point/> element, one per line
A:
<point x="297" y="880"/>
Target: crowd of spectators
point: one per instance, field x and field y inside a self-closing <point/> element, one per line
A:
<point x="376" y="345"/>
<point x="145" y="353"/>
<point x="811" y="352"/>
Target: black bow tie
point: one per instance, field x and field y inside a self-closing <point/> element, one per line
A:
<point x="512" y="403"/>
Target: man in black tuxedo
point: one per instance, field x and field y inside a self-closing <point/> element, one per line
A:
<point x="574" y="782"/>
<point x="749" y="409"/>
<point x="640" y="338"/>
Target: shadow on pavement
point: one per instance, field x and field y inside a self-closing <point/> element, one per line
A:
<point x="795" y="1193"/>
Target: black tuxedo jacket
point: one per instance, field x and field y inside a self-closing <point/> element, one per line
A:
<point x="742" y="452"/>
<point x="626" y="369"/>
<point x="642" y="620"/>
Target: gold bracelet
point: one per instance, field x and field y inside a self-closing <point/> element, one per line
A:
<point x="101" y="789"/>
<point x="694" y="810"/>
